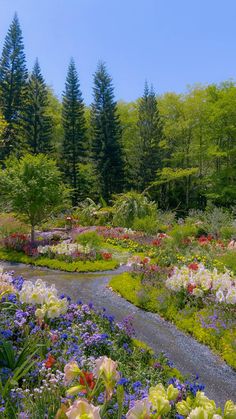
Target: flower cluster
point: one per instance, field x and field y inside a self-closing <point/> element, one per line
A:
<point x="198" y="281"/>
<point x="46" y="298"/>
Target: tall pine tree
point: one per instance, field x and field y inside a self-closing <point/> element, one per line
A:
<point x="150" y="129"/>
<point x="13" y="77"/>
<point x="37" y="122"/>
<point x="74" y="142"/>
<point x="106" y="134"/>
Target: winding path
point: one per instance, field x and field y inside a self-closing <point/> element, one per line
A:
<point x="189" y="356"/>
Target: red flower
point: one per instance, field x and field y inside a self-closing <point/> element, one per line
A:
<point x="106" y="255"/>
<point x="87" y="379"/>
<point x="156" y="242"/>
<point x="190" y="288"/>
<point x="50" y="361"/>
<point x="193" y="266"/>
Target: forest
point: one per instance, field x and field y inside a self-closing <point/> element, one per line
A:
<point x="179" y="149"/>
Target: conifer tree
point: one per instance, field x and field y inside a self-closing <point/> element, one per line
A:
<point x="37" y="122"/>
<point x="13" y="77"/>
<point x="150" y="129"/>
<point x="106" y="134"/>
<point x="74" y="148"/>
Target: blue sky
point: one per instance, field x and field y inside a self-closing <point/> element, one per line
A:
<point x="171" y="43"/>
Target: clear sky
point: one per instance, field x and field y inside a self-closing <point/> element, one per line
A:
<point x="171" y="43"/>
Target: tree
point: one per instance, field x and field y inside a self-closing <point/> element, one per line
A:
<point x="74" y="141"/>
<point x="106" y="135"/>
<point x="13" y="76"/>
<point x="32" y="188"/>
<point x="37" y="121"/>
<point x="150" y="129"/>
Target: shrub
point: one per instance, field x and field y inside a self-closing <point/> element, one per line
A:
<point x="9" y="224"/>
<point x="146" y="224"/>
<point x="182" y="232"/>
<point x="90" y="238"/>
<point x="130" y="206"/>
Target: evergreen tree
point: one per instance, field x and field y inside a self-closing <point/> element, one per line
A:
<point x="74" y="147"/>
<point x="150" y="130"/>
<point x="13" y="77"/>
<point x="106" y="136"/>
<point x="37" y="122"/>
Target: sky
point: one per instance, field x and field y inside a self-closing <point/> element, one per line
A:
<point x="169" y="43"/>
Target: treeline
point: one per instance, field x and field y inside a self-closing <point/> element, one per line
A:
<point x="180" y="149"/>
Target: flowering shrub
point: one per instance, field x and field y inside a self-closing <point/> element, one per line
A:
<point x="16" y="241"/>
<point x="199" y="281"/>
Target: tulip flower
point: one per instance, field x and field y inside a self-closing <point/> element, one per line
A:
<point x="71" y="371"/>
<point x="141" y="410"/>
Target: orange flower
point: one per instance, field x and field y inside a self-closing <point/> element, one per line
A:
<point x="50" y="361"/>
<point x="87" y="379"/>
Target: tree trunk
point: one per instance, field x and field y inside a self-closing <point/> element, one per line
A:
<point x="32" y="234"/>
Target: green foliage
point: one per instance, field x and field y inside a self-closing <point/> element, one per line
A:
<point x="13" y="76"/>
<point x="74" y="145"/>
<point x="229" y="260"/>
<point x="106" y="135"/>
<point x="147" y="224"/>
<point x="130" y="206"/>
<point x="150" y="131"/>
<point x="9" y="224"/>
<point x="183" y="231"/>
<point x="90" y="238"/>
<point x="86" y="211"/>
<point x="32" y="187"/>
<point x="37" y="121"/>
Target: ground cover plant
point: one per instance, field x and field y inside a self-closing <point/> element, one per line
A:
<point x="65" y="360"/>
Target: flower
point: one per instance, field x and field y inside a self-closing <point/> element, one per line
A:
<point x="50" y="361"/>
<point x="193" y="266"/>
<point x="141" y="410"/>
<point x="71" y="371"/>
<point x="81" y="409"/>
<point x="106" y="368"/>
<point x="87" y="379"/>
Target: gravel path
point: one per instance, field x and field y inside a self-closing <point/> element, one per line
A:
<point x="189" y="356"/>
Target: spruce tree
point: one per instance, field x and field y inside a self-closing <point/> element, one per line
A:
<point x="150" y="129"/>
<point x="106" y="135"/>
<point x="74" y="147"/>
<point x="37" y="122"/>
<point x="13" y="77"/>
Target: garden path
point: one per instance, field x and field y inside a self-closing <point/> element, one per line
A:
<point x="189" y="356"/>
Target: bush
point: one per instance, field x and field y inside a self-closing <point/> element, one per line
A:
<point x="9" y="225"/>
<point x="182" y="232"/>
<point x="90" y="238"/>
<point x="146" y="224"/>
<point x="228" y="232"/>
<point x="130" y="206"/>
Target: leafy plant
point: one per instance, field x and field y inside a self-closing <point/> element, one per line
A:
<point x="130" y="206"/>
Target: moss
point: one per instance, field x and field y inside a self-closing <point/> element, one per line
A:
<point x="79" y="266"/>
<point x="188" y="319"/>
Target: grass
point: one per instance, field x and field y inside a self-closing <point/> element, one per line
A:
<point x="189" y="319"/>
<point x="79" y="266"/>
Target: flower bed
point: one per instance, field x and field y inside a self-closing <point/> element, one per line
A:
<point x="65" y="360"/>
<point x="209" y="317"/>
<point x="80" y="266"/>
